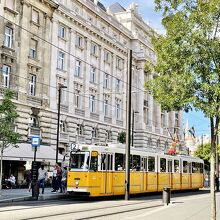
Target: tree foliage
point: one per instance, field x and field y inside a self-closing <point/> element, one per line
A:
<point x="8" y="136"/>
<point x="8" y="114"/>
<point x="122" y="137"/>
<point x="187" y="72"/>
<point x="203" y="151"/>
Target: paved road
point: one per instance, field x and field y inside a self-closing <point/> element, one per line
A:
<point x="189" y="205"/>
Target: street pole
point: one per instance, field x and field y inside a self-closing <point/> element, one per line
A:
<point x="132" y="130"/>
<point x="58" y="119"/>
<point x="128" y="130"/>
<point x="34" y="174"/>
<point x="217" y="165"/>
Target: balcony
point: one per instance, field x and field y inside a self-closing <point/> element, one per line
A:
<point x="64" y="108"/>
<point x="94" y="116"/>
<point x="119" y="123"/>
<point x="34" y="100"/>
<point x="80" y="112"/>
<point x="64" y="137"/>
<point x="107" y="119"/>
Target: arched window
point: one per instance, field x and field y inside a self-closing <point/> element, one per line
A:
<point x="158" y="143"/>
<point x="34" y="121"/>
<point x="149" y="142"/>
<point x="95" y="132"/>
<point x="63" y="126"/>
<point x="108" y="135"/>
<point x="80" y="129"/>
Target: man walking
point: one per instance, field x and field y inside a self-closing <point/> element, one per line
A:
<point x="42" y="175"/>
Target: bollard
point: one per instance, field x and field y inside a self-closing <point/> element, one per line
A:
<point x="166" y="195"/>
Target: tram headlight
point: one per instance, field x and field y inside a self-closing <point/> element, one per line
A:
<point x="77" y="184"/>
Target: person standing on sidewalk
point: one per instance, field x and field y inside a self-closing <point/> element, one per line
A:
<point x="57" y="176"/>
<point x="63" y="180"/>
<point x="42" y="175"/>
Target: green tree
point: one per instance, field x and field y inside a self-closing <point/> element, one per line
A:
<point x="122" y="137"/>
<point x="8" y="114"/>
<point x="203" y="151"/>
<point x="188" y="64"/>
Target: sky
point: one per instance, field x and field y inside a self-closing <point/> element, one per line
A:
<point x="147" y="11"/>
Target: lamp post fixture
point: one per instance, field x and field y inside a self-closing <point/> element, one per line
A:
<point x="58" y="118"/>
<point x="132" y="131"/>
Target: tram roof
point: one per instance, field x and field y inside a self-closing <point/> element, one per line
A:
<point x="120" y="148"/>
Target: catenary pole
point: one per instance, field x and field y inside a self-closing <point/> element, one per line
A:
<point x="128" y="130"/>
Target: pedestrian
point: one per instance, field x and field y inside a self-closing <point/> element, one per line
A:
<point x="57" y="176"/>
<point x="29" y="179"/>
<point x="10" y="182"/>
<point x="42" y="176"/>
<point x="64" y="179"/>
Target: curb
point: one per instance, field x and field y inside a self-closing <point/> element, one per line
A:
<point x="30" y="198"/>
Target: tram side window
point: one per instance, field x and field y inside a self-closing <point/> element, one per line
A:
<point x="185" y="167"/>
<point x="94" y="162"/>
<point x="195" y="167"/>
<point x="201" y="168"/>
<point x="162" y="165"/>
<point x="119" y="162"/>
<point x="151" y="164"/>
<point x="103" y="162"/>
<point x="136" y="162"/>
<point x="176" y="166"/>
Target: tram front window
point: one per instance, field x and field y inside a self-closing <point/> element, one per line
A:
<point x="79" y="160"/>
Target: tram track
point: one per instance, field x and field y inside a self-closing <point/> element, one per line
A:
<point x="109" y="211"/>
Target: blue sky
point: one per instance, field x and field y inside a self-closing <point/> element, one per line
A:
<point x="146" y="9"/>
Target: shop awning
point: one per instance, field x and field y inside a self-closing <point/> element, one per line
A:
<point x="25" y="153"/>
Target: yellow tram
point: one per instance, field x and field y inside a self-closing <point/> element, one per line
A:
<point x="100" y="171"/>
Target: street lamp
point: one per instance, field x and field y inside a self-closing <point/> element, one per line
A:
<point x="58" y="118"/>
<point x="132" y="131"/>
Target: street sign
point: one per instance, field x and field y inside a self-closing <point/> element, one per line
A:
<point x="35" y="141"/>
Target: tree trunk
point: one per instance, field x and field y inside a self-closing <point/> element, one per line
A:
<point x="1" y="172"/>
<point x="212" y="169"/>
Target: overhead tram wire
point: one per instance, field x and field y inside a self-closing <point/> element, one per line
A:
<point x="53" y="45"/>
<point x="81" y="94"/>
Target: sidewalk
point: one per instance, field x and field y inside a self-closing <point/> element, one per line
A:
<point x="15" y="195"/>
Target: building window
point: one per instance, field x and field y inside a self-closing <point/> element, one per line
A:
<point x="62" y="31"/>
<point x="33" y="49"/>
<point x="95" y="132"/>
<point x="61" y="60"/>
<point x="35" y="16"/>
<point x="63" y="126"/>
<point x="119" y="63"/>
<point x="107" y="56"/>
<point x="163" y="120"/>
<point x="32" y="85"/>
<point x="105" y="107"/>
<point x="77" y="99"/>
<point x="176" y="120"/>
<point x="6" y="70"/>
<point x="78" y="68"/>
<point x="94" y="49"/>
<point x="8" y="37"/>
<point x="79" y="41"/>
<point x="109" y="135"/>
<point x="92" y="74"/>
<point x="118" y="110"/>
<point x="34" y="123"/>
<point x="106" y="80"/>
<point x="92" y="103"/>
<point x="118" y="85"/>
<point x="80" y="129"/>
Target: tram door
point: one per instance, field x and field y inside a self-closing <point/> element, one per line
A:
<point x="106" y="174"/>
<point x="170" y="171"/>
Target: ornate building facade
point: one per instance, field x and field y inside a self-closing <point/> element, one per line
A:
<point x="84" y="46"/>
